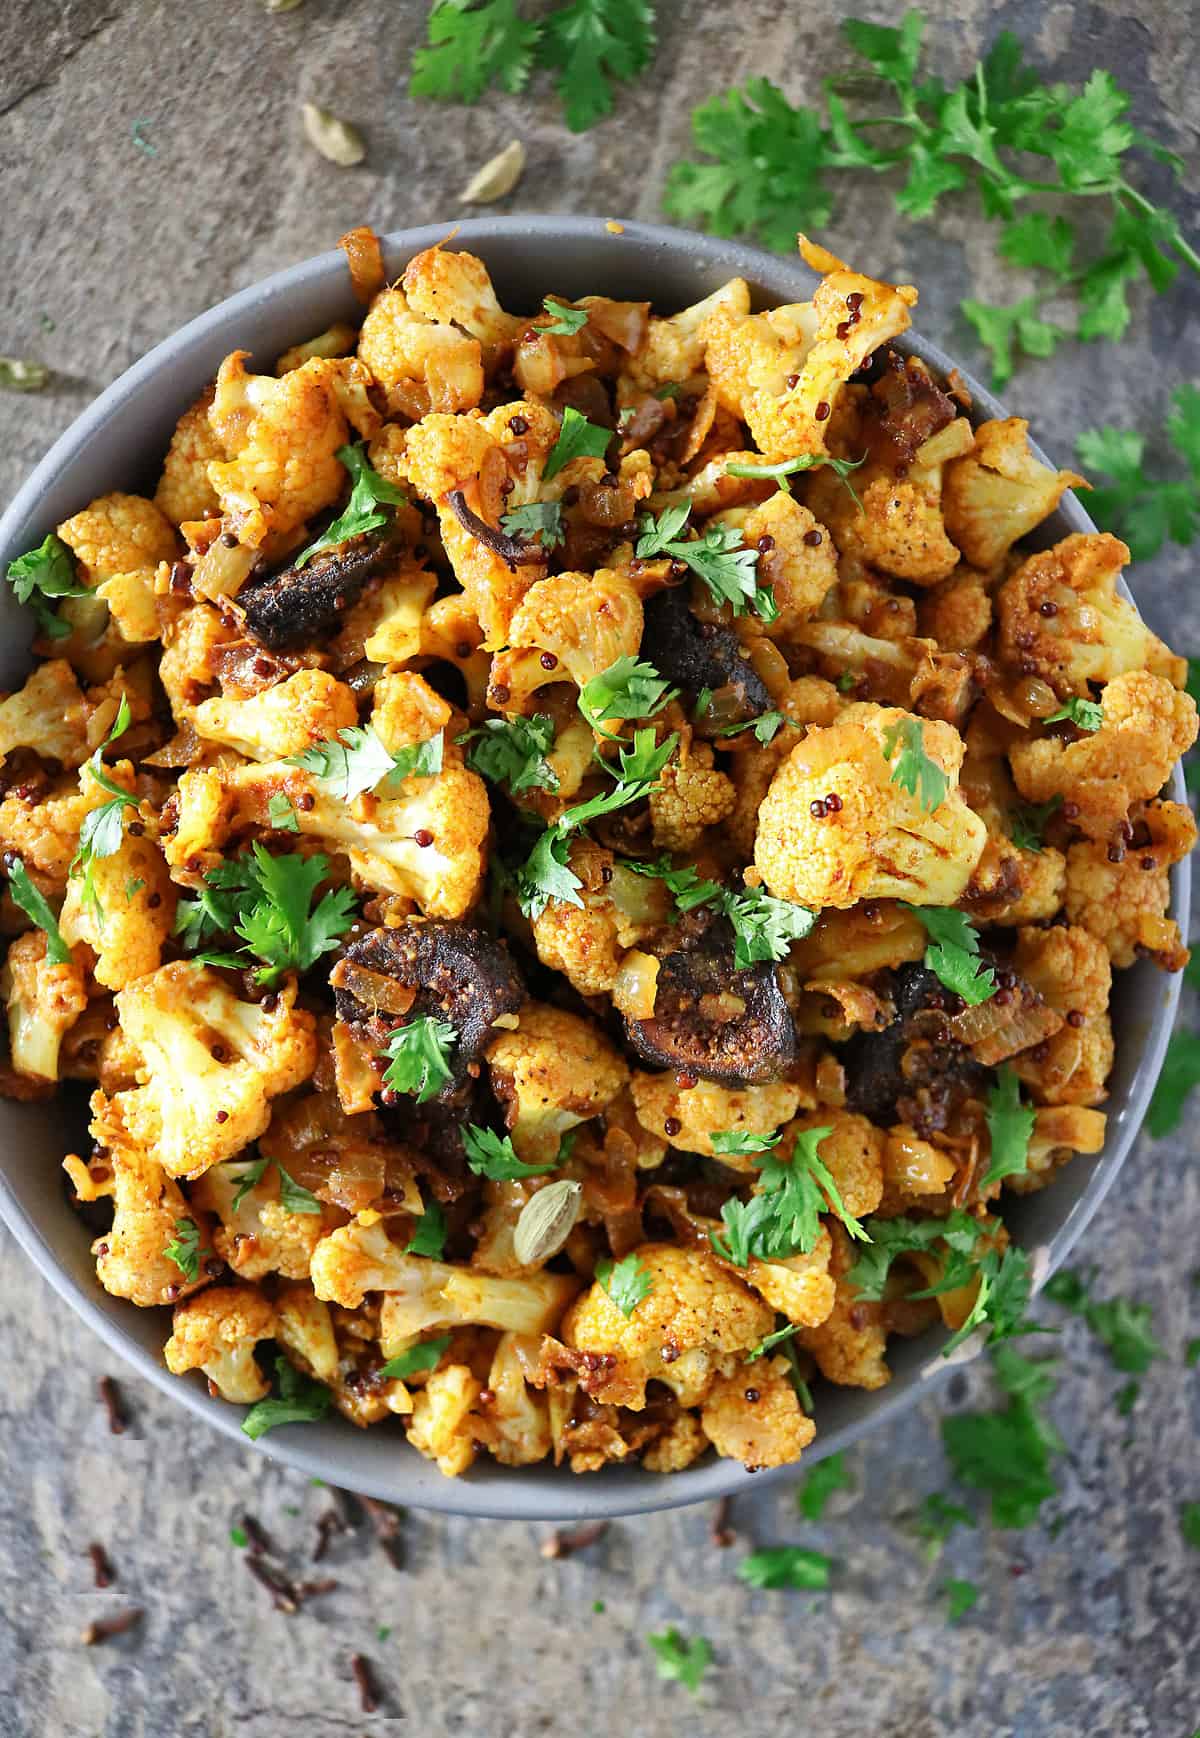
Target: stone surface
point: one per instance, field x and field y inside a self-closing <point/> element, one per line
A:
<point x="107" y="249"/>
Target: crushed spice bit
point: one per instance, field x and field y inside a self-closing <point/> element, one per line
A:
<point x="104" y="1628"/>
<point x="560" y="1544"/>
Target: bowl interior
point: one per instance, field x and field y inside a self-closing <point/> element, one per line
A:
<point x="118" y="443"/>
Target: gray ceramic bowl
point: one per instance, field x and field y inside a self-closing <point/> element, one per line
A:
<point x="118" y="443"/>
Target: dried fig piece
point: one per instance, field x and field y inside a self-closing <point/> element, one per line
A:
<point x="697" y="655"/>
<point x="299" y="606"/>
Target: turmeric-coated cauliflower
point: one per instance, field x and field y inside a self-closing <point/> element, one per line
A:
<point x="553" y="1072"/>
<point x="149" y="1214"/>
<point x="571" y="627"/>
<point x="1070" y="970"/>
<point x="311" y="706"/>
<point x="422" y="365"/>
<point x="42" y="828"/>
<point x="850" y="1344"/>
<point x="691" y="1324"/>
<point x="44" y="1000"/>
<point x="117" y="534"/>
<point x="994" y="494"/>
<point x="588" y="942"/>
<point x="455" y="288"/>
<point x="48" y="715"/>
<point x="753" y="1415"/>
<point x="234" y="1057"/>
<point x="259" y="1235"/>
<point x="876" y="840"/>
<point x="689" y="797"/>
<point x="1121" y="894"/>
<point x="798" y="563"/>
<point x="217" y="1332"/>
<point x="439" y="1427"/>
<point x="184" y="491"/>
<point x="689" y="1116"/>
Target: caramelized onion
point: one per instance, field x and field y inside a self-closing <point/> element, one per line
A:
<point x="365" y="259"/>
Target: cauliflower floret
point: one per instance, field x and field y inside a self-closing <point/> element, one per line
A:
<point x="1147" y="725"/>
<point x="1124" y="903"/>
<point x="129" y="913"/>
<point x="587" y="942"/>
<point x="690" y="797"/>
<point x="692" y="1322"/>
<point x="217" y="1333"/>
<point x="675" y="345"/>
<point x="440" y="1426"/>
<point x="421" y="365"/>
<point x="1089" y="633"/>
<point x="799" y="571"/>
<point x="680" y="1444"/>
<point x="234" y="1057"/>
<point x="850" y="1344"/>
<point x="584" y="622"/>
<point x="385" y="624"/>
<point x="406" y="710"/>
<point x="696" y="1113"/>
<point x="304" y="1328"/>
<point x="1070" y="970"/>
<point x="43" y="830"/>
<point x="753" y="1415"/>
<point x="996" y="493"/>
<point x="797" y="1286"/>
<point x="189" y="664"/>
<point x="515" y="1426"/>
<point x="311" y="706"/>
<point x="782" y="371"/>
<point x="552" y="1073"/>
<point x="148" y="1206"/>
<point x="957" y="613"/>
<point x="259" y="1235"/>
<point x="48" y="715"/>
<point x="852" y="1152"/>
<point x="282" y="437"/>
<point x="336" y="340"/>
<point x="117" y="534"/>
<point x="879" y="842"/>
<point x="184" y="491"/>
<point x="44" y="1000"/>
<point x="455" y="288"/>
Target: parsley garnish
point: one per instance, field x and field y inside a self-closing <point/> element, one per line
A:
<point x="359" y="762"/>
<point x="426" y="1356"/>
<point x="829" y="1475"/>
<point x="588" y="43"/>
<point x="1083" y="714"/>
<point x="1027" y="822"/>
<point x="36" y="907"/>
<point x="627" y="689"/>
<point x="493" y="1156"/>
<point x="364" y="511"/>
<point x="785" y="468"/>
<point x="783" y="1216"/>
<point x="1143" y="512"/>
<point x="1010" y="1125"/>
<point x="679" y="1660"/>
<point x="543" y="519"/>
<point x="419" y="1057"/>
<point x="914" y="771"/>
<point x="299" y="1400"/>
<point x="429" y="1234"/>
<point x="771" y="1341"/>
<point x="721" y="558"/>
<point x="1006" y="130"/>
<point x="1180" y="1073"/>
<point x="513" y="751"/>
<point x="625" y="1282"/>
<point x="46" y="572"/>
<point x="577" y="439"/>
<point x="793" y="1566"/>
<point x="564" y="321"/>
<point x="960" y="1597"/>
<point x="953" y="955"/>
<point x="265" y="900"/>
<point x="184" y="1249"/>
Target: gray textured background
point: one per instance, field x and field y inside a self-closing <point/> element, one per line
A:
<point x="1088" y="1631"/>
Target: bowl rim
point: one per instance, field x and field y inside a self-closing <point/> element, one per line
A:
<point x="538" y="1493"/>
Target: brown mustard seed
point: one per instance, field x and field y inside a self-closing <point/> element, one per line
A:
<point x="500" y="695"/>
<point x="765" y="544"/>
<point x="817" y="809"/>
<point x="463" y="649"/>
<point x="854" y="301"/>
<point x="813" y="538"/>
<point x="1075" y="1018"/>
<point x="752" y="1395"/>
<point x="1048" y="608"/>
<point x="672" y="1126"/>
<point x="833" y="803"/>
<point x="843" y="331"/>
<point x="1148" y="863"/>
<point x="518" y="425"/>
<point x="154" y="901"/>
<point x="1116" y="853"/>
<point x="307" y="802"/>
<point x="1070" y="811"/>
<point x="822" y="410"/>
<point x="222" y="1116"/>
<point x="548" y="661"/>
<point x="792" y="380"/>
<point x="422" y="837"/>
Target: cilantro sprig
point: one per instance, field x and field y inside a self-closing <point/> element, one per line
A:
<point x="1021" y="141"/>
<point x="783" y="1216"/>
<point x="103" y="827"/>
<point x="184" y="1249"/>
<point x="564" y="321"/>
<point x="266" y="900"/>
<point x="1009" y="1452"/>
<point x="577" y="439"/>
<point x="41" y="576"/>
<point x="626" y="1282"/>
<point x="369" y="496"/>
<point x="36" y="907"/>
<point x="540" y="519"/>
<point x="953" y="953"/>
<point x="914" y="771"/>
<point x="513" y="751"/>
<point x="1140" y="509"/>
<point x="298" y="1400"/>
<point x="627" y="689"/>
<point x="425" y="1356"/>
<point x="1010" y="1126"/>
<point x="494" y="1156"/>
<point x="419" y="1057"/>
<point x="721" y="559"/>
<point x="764" y="927"/>
<point x="1180" y="1073"/>
<point x="680" y="1659"/>
<point x="782" y="469"/>
<point x="794" y="1566"/>
<point x="1083" y="714"/>
<point x="357" y="761"/>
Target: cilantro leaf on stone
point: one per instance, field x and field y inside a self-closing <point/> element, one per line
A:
<point x="627" y="1282"/>
<point x="829" y="1475"/>
<point x="794" y="1566"/>
<point x="469" y="47"/>
<point x="418" y="1056"/>
<point x="1180" y="1073"/>
<point x="491" y="1155"/>
<point x="591" y="43"/>
<point x="1142" y="510"/>
<point x="1008" y="1454"/>
<point x="369" y="496"/>
<point x="960" y="1597"/>
<point x="679" y="1659"/>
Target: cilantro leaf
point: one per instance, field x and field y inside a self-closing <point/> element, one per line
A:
<point x="565" y="321"/>
<point x="37" y="908"/>
<point x="1125" y="1327"/>
<point x="364" y="511"/>
<point x="1083" y="714"/>
<point x="1027" y="821"/>
<point x="764" y="927"/>
<point x="358" y="761"/>
<point x="513" y="751"/>
<point x="1007" y="1453"/>
<point x="727" y="566"/>
<point x="293" y="1198"/>
<point x="44" y="573"/>
<point x="685" y="885"/>
<point x="681" y="1660"/>
<point x="1143" y="511"/>
<point x="545" y="875"/>
<point x="914" y="771"/>
<point x="577" y="439"/>
<point x="265" y="900"/>
<point x="591" y="42"/>
<point x="743" y="1141"/>
<point x="299" y="1400"/>
<point x="1010" y="1126"/>
<point x="937" y="1519"/>
<point x="892" y="1238"/>
<point x="793" y="1566"/>
<point x="103" y="827"/>
<point x="418" y="1057"/>
<point x="1038" y="241"/>
<point x="954" y="954"/>
<point x="1004" y="331"/>
<point x="429" y="1234"/>
<point x="771" y="1341"/>
<point x="783" y="1217"/>
<point x="184" y="1249"/>
<point x="281" y="814"/>
<point x="425" y="1356"/>
<point x="1189" y="1523"/>
<point x="626" y="1282"/>
<point x="829" y="1475"/>
<point x="541" y="519"/>
<point x="468" y="47"/>
<point x="627" y="689"/>
<point x="960" y="1596"/>
<point x="637" y="773"/>
<point x="1180" y="1073"/>
<point x="492" y="1155"/>
<point x="249" y="1178"/>
<point x="785" y="468"/>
